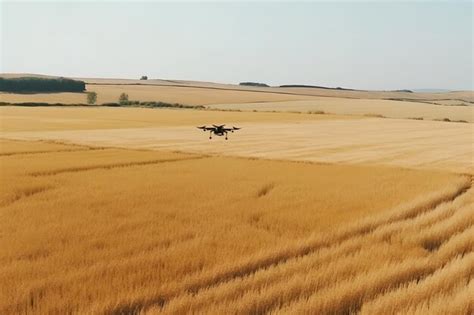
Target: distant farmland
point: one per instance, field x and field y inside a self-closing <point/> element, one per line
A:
<point x="455" y="106"/>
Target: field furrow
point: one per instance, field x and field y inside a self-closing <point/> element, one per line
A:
<point x="443" y="281"/>
<point x="258" y="293"/>
<point x="109" y="166"/>
<point x="45" y="152"/>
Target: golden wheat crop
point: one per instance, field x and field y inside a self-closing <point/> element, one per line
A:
<point x="92" y="221"/>
<point x="112" y="231"/>
<point x="301" y="137"/>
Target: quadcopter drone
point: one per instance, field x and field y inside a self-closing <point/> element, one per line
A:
<point x="218" y="130"/>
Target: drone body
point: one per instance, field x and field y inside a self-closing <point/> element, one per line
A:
<point x="218" y="130"/>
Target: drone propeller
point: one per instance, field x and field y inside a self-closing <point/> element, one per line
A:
<point x="218" y="126"/>
<point x="236" y="128"/>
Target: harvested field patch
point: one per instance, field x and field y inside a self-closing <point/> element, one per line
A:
<point x="363" y="107"/>
<point x="97" y="118"/>
<point x="403" y="143"/>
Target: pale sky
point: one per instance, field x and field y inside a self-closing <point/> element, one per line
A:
<point x="366" y="45"/>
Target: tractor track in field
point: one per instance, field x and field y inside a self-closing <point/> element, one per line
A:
<point x="25" y="193"/>
<point x="110" y="166"/>
<point x="7" y="154"/>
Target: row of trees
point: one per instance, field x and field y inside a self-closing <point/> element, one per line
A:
<point x="32" y="84"/>
<point x="123" y="99"/>
<point x="254" y="84"/>
<point x="92" y="98"/>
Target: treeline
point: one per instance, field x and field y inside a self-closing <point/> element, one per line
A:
<point x="406" y="91"/>
<point x="315" y="87"/>
<point x="152" y="105"/>
<point x="31" y="84"/>
<point x="254" y="84"/>
<point x="128" y="104"/>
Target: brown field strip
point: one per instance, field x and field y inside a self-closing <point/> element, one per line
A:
<point x="8" y="148"/>
<point x="108" y="166"/>
<point x="154" y="231"/>
<point x="43" y="152"/>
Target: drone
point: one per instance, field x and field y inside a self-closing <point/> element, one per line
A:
<point x="218" y="130"/>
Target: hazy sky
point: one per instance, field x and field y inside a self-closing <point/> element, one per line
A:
<point x="369" y="45"/>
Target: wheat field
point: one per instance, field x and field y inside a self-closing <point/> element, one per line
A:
<point x="364" y="107"/>
<point x="79" y="118"/>
<point x="104" y="230"/>
<point x="453" y="106"/>
<point x="427" y="107"/>
<point x="134" y="211"/>
<point x="189" y="95"/>
<point x="284" y="136"/>
<point x="201" y="93"/>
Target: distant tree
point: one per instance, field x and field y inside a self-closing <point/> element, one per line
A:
<point x="33" y="84"/>
<point x="91" y="98"/>
<point x="254" y="84"/>
<point x="123" y="99"/>
<point x="144" y="77"/>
